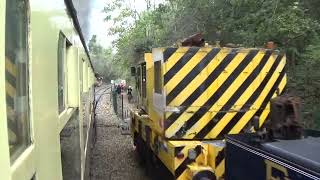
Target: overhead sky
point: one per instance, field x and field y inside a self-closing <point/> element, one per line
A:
<point x="97" y="24"/>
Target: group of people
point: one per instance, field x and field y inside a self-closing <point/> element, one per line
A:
<point x="119" y="88"/>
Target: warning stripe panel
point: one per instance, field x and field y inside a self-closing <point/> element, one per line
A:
<point x="244" y="114"/>
<point x="245" y="117"/>
<point x="262" y="113"/>
<point x="203" y="97"/>
<point x="243" y="85"/>
<point x="198" y="80"/>
<point x="241" y="93"/>
<point x="195" y="71"/>
<point x="221" y="92"/>
<point x="184" y="72"/>
<point x="202" y="87"/>
<point x="221" y="96"/>
<point x="179" y="64"/>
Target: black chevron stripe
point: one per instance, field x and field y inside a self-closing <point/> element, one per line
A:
<point x="10" y="101"/>
<point x="184" y="165"/>
<point x="10" y="79"/>
<point x="168" y="53"/>
<point x="177" y="150"/>
<point x="269" y="96"/>
<point x="11" y="124"/>
<point x="219" y="157"/>
<point x="192" y="74"/>
<point x="195" y="94"/>
<point x="255" y="96"/>
<point x="255" y="73"/>
<point x="215" y="97"/>
<point x="181" y="62"/>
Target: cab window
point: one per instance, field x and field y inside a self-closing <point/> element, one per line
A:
<point x="138" y="81"/>
<point x="157" y="77"/>
<point x="144" y="81"/>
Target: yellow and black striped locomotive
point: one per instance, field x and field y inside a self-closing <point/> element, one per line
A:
<point x="191" y="97"/>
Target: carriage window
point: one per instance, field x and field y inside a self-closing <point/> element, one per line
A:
<point x="16" y="75"/>
<point x="61" y="72"/>
<point x="85" y="75"/>
<point x="157" y="77"/>
<point x="63" y="46"/>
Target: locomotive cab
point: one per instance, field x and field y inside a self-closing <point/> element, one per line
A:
<point x="141" y="89"/>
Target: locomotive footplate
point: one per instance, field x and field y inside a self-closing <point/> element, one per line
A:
<point x="250" y="158"/>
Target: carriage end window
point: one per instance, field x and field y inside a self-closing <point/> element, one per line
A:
<point x="17" y="77"/>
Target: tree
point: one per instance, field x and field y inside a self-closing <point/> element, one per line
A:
<point x="292" y="24"/>
<point x="94" y="47"/>
<point x="103" y="60"/>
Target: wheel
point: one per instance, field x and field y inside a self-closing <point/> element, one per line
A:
<point x="139" y="149"/>
<point x="204" y="175"/>
<point x="149" y="164"/>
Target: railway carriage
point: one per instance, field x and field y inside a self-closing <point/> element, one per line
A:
<point x="46" y="94"/>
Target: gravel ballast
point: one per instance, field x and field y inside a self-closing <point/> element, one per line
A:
<point x="113" y="157"/>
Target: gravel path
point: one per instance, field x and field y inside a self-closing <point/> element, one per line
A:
<point x="113" y="157"/>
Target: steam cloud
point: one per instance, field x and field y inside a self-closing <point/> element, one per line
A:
<point x="83" y="8"/>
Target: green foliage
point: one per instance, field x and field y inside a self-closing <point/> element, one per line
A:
<point x="292" y="24"/>
<point x="305" y="82"/>
<point x="103" y="61"/>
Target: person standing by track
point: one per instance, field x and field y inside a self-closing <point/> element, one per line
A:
<point x="129" y="93"/>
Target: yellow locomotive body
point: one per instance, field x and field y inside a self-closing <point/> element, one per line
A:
<point x="190" y="97"/>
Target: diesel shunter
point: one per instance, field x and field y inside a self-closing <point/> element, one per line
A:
<point x="190" y="97"/>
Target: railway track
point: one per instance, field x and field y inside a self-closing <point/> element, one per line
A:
<point x="113" y="155"/>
